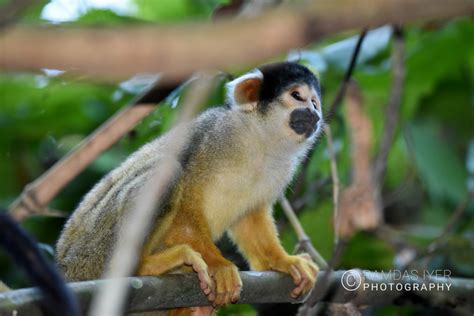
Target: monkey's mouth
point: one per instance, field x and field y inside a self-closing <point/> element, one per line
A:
<point x="304" y="121"/>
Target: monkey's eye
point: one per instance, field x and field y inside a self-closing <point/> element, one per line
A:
<point x="297" y="96"/>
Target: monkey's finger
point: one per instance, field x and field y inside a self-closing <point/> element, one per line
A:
<point x="295" y="274"/>
<point x="200" y="267"/>
<point x="212" y="295"/>
<point x="220" y="288"/>
<point x="307" y="275"/>
<point x="306" y="256"/>
<point x="310" y="263"/>
<point x="205" y="287"/>
<point x="300" y="288"/>
<point x="237" y="289"/>
<point x="314" y="270"/>
<point x="235" y="286"/>
<point x="231" y="284"/>
<point x="204" y="279"/>
<point x="220" y="298"/>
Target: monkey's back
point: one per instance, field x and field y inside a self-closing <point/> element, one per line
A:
<point x="90" y="234"/>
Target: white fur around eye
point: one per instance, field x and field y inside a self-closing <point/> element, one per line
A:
<point x="230" y="87"/>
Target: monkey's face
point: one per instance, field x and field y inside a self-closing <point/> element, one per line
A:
<point x="304" y="106"/>
<point x="295" y="115"/>
<point x="286" y="96"/>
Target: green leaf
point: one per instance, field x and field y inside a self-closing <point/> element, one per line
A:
<point x="104" y="17"/>
<point x="173" y="10"/>
<point x="435" y="56"/>
<point x="361" y="247"/>
<point x="440" y="169"/>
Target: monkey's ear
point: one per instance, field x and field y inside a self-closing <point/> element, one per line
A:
<point x="244" y="91"/>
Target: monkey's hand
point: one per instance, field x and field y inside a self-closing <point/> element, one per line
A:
<point x="302" y="270"/>
<point x="227" y="283"/>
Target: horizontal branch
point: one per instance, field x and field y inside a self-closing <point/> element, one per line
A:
<point x="170" y="291"/>
<point x="179" y="50"/>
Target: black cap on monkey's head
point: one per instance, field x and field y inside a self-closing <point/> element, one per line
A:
<point x="278" y="76"/>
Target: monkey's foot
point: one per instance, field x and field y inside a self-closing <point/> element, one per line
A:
<point x="194" y="259"/>
<point x="227" y="284"/>
<point x="302" y="270"/>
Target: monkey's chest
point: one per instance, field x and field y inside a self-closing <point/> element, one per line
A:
<point x="234" y="191"/>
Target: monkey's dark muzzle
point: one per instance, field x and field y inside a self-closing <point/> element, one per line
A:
<point x="303" y="121"/>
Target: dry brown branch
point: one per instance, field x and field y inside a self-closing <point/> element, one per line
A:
<point x="359" y="205"/>
<point x="37" y="195"/>
<point x="109" y="300"/>
<point x="182" y="49"/>
<point x="393" y="107"/>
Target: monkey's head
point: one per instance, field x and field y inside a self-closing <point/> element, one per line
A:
<point x="286" y="96"/>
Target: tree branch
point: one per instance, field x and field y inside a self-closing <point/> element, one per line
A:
<point x="182" y="49"/>
<point x="182" y="290"/>
<point x="38" y="194"/>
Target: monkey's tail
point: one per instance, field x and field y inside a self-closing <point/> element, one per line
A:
<point x="20" y="246"/>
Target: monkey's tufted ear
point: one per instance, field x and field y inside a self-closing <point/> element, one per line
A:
<point x="244" y="91"/>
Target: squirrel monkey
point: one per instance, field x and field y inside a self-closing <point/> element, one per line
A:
<point x="237" y="161"/>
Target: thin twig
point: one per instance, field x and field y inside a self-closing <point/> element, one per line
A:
<point x="393" y="107"/>
<point x="453" y="219"/>
<point x="341" y="92"/>
<point x="334" y="177"/>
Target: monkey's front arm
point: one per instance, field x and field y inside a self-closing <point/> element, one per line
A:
<point x="257" y="238"/>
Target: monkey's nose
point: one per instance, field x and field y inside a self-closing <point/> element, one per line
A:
<point x="303" y="121"/>
<point x="314" y="115"/>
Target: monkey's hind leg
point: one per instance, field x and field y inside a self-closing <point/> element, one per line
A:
<point x="174" y="257"/>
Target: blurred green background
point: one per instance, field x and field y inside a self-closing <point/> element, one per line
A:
<point x="431" y="163"/>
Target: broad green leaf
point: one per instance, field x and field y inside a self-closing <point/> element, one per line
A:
<point x="440" y="169"/>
